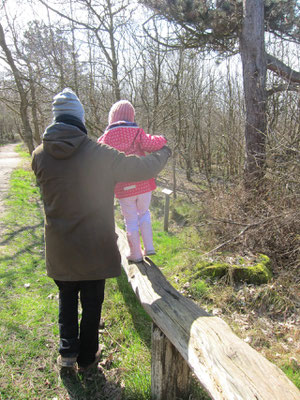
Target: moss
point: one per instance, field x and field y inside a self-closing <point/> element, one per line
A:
<point x="198" y="288"/>
<point x="216" y="270"/>
<point x="257" y="273"/>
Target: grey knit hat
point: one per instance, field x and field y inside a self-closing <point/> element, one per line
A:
<point x="66" y="102"/>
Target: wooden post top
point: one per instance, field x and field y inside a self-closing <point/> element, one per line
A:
<point x="166" y="191"/>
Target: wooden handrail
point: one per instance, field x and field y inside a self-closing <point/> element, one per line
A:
<point x="226" y="366"/>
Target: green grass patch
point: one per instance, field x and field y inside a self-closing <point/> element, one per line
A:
<point x="22" y="151"/>
<point x="293" y="373"/>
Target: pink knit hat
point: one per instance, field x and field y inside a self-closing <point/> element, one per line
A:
<point x="122" y="110"/>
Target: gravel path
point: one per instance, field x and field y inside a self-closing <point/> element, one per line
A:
<point x="9" y="160"/>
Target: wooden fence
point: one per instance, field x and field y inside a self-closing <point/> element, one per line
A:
<point x="186" y="339"/>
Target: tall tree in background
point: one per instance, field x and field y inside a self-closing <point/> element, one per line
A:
<point x="24" y="102"/>
<point x="236" y="26"/>
<point x="38" y="61"/>
<point x="105" y="20"/>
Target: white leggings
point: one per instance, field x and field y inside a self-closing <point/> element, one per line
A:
<point x="137" y="218"/>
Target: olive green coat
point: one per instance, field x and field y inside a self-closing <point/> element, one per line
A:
<point x="77" y="178"/>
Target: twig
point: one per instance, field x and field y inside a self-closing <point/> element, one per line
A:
<point x="114" y="340"/>
<point x="230" y="240"/>
<point x="248" y="226"/>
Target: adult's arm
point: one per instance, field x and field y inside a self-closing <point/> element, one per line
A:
<point x="134" y="168"/>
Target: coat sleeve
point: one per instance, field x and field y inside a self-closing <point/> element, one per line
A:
<point x="151" y="143"/>
<point x="35" y="167"/>
<point x="134" y="168"/>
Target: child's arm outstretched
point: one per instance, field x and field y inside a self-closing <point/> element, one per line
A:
<point x="151" y="143"/>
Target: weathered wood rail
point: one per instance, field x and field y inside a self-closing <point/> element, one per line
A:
<point x="186" y="338"/>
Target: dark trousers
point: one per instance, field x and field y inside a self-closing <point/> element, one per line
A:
<point x="83" y="341"/>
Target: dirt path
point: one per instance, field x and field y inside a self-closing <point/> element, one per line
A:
<point x="9" y="160"/>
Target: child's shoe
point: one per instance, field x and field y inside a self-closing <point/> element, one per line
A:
<point x="135" y="260"/>
<point x="146" y="231"/>
<point x="135" y="254"/>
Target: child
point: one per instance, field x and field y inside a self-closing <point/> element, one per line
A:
<point x="124" y="135"/>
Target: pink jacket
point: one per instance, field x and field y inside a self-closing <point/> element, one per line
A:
<point x="130" y="139"/>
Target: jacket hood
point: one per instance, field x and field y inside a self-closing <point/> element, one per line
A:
<point x="62" y="140"/>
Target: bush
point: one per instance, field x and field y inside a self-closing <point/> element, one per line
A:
<point x="256" y="223"/>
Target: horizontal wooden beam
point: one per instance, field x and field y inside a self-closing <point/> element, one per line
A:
<point x="226" y="366"/>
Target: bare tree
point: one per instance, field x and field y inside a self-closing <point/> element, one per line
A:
<point x="24" y="104"/>
<point x="106" y="21"/>
<point x="230" y="27"/>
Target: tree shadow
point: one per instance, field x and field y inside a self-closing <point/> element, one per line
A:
<point x="10" y="236"/>
<point x="90" y="386"/>
<point x="141" y="320"/>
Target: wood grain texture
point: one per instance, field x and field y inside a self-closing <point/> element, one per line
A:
<point x="226" y="366"/>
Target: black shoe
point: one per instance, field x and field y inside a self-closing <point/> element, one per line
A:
<point x="86" y="368"/>
<point x="67" y="362"/>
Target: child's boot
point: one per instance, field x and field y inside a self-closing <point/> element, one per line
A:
<point x="147" y="236"/>
<point x="135" y="254"/>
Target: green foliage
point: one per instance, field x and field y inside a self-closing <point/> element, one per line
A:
<point x="293" y="373"/>
<point x="217" y="26"/>
<point x="23" y="153"/>
<point x="27" y="309"/>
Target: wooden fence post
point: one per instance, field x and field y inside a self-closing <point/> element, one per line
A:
<point x="170" y="374"/>
<point x="167" y="193"/>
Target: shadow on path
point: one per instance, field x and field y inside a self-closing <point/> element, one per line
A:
<point x="89" y="386"/>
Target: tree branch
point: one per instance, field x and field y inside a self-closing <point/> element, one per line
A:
<point x="247" y="226"/>
<point x="282" y="88"/>
<point x="282" y="70"/>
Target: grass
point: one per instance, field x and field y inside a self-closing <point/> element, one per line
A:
<point x="28" y="317"/>
<point x="29" y="305"/>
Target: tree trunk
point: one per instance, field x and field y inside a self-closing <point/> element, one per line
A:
<point x="27" y="132"/>
<point x="253" y="56"/>
<point x="36" y="131"/>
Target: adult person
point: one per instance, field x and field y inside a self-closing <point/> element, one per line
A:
<point x="77" y="177"/>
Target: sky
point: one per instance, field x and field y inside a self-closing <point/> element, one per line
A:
<point x="17" y="8"/>
<point x="22" y="11"/>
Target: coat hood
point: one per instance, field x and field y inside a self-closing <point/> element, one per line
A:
<point x="62" y="140"/>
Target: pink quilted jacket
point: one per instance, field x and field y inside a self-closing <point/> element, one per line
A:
<point x="130" y="139"/>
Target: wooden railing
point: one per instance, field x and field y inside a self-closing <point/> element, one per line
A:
<point x="186" y="339"/>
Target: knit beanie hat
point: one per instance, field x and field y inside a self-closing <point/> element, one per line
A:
<point x="66" y="102"/>
<point x="122" y="110"/>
